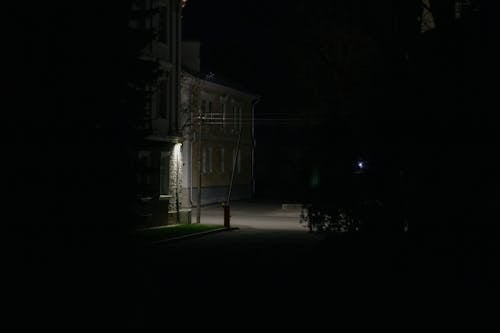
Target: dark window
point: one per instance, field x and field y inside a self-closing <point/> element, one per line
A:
<point x="144" y="172"/>
<point x="204" y="161"/>
<point x="203" y="108"/>
<point x="210" y="160"/>
<point x="164" y="174"/>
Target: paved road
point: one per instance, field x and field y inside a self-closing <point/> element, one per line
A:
<point x="268" y="216"/>
<point x="273" y="265"/>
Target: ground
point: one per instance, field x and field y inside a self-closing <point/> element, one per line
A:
<point x="272" y="264"/>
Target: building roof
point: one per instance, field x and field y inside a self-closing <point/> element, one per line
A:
<point x="222" y="81"/>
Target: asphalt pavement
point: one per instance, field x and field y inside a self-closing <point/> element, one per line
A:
<point x="258" y="215"/>
<point x="272" y="265"/>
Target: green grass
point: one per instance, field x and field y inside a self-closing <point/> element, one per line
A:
<point x="174" y="231"/>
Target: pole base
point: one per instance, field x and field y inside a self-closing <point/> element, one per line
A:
<point x="227" y="217"/>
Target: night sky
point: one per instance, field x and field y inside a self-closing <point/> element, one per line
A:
<point x="240" y="39"/>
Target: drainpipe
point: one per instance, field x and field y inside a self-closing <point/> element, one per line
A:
<point x="191" y="137"/>
<point x="190" y="172"/>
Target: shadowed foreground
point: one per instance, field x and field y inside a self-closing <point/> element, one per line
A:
<point x="259" y="274"/>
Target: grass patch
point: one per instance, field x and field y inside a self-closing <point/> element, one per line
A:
<point x="174" y="231"/>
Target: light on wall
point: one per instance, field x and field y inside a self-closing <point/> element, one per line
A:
<point x="177" y="159"/>
<point x="177" y="150"/>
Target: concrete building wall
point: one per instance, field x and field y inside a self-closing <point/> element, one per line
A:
<point x="217" y="174"/>
<point x="165" y="173"/>
<point x="218" y="194"/>
<point x="221" y="127"/>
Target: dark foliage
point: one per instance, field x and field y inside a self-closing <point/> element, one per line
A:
<point x="430" y="129"/>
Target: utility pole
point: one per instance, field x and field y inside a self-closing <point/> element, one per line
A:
<point x="235" y="162"/>
<point x="200" y="162"/>
<point x="227" y="209"/>
<point x="253" y="146"/>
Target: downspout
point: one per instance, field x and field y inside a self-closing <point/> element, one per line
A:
<point x="178" y="59"/>
<point x="190" y="168"/>
<point x="190" y="163"/>
<point x="196" y="95"/>
<point x="178" y="109"/>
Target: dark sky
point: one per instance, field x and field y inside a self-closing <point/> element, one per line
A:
<point x="268" y="46"/>
<point x="241" y="40"/>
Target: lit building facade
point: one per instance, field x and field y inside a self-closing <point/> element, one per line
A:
<point x="225" y="112"/>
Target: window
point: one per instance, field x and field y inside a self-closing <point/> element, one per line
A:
<point x="204" y="161"/>
<point x="222" y="161"/>
<point x="203" y="107"/>
<point x="210" y="111"/>
<point x="164" y="173"/>
<point x="210" y="160"/>
<point x="163" y="25"/>
<point x="144" y="172"/>
<point x="223" y="109"/>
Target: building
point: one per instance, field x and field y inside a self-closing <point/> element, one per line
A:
<point x="159" y="159"/>
<point x="224" y="115"/>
